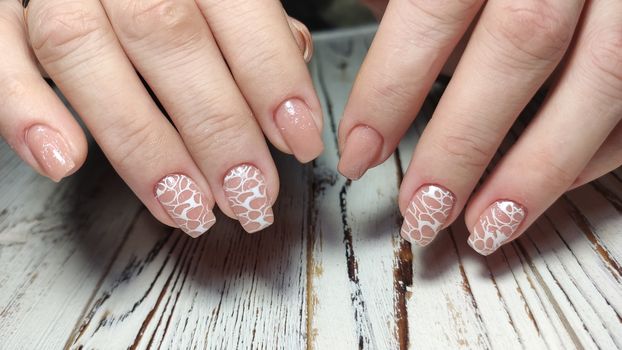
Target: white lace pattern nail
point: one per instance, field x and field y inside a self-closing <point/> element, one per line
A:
<point x="496" y="226"/>
<point x="427" y="213"/>
<point x="185" y="204"/>
<point x="245" y="188"/>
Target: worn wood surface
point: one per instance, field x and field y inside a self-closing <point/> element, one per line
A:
<point x="83" y="265"/>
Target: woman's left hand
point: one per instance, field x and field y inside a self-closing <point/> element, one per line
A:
<point x="515" y="46"/>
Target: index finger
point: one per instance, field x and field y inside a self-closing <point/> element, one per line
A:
<point x="414" y="40"/>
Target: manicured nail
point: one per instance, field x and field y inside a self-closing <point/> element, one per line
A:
<point x="426" y="214"/>
<point x="51" y="151"/>
<point x="295" y="121"/>
<point x="245" y="189"/>
<point x="303" y="38"/>
<point x="496" y="226"/>
<point x="185" y="204"/>
<point x="362" y="148"/>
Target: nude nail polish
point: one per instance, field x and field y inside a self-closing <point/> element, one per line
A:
<point x="362" y="148"/>
<point x="297" y="126"/>
<point x="245" y="189"/>
<point x="51" y="151"/>
<point x="302" y="37"/>
<point x="427" y="213"/>
<point x="496" y="226"/>
<point x="185" y="204"/>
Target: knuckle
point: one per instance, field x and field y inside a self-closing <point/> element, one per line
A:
<point x="254" y="54"/>
<point x="141" y="144"/>
<point x="605" y="55"/>
<point x="221" y="131"/>
<point x="391" y="90"/>
<point x="467" y="150"/>
<point x="437" y="21"/>
<point x="171" y="20"/>
<point x="63" y="28"/>
<point x="445" y="11"/>
<point x="551" y="175"/>
<point x="533" y="29"/>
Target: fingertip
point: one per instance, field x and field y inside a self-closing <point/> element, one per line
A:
<point x="297" y="126"/>
<point x="52" y="152"/>
<point x="361" y="149"/>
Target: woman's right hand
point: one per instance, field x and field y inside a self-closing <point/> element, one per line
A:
<point x="226" y="72"/>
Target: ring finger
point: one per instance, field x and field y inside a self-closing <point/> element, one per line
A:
<point x="514" y="48"/>
<point x="172" y="46"/>
<point x="75" y="44"/>
<point x="563" y="137"/>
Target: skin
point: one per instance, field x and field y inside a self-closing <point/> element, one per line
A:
<point x="235" y="84"/>
<point x="513" y="49"/>
<point x="220" y="83"/>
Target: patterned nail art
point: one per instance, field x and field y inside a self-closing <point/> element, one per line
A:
<point x="496" y="226"/>
<point x="185" y="204"/>
<point x="245" y="188"/>
<point x="426" y="214"/>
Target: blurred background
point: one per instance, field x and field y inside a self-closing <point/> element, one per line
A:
<point x="328" y="14"/>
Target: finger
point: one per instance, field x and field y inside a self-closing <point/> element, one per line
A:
<point x="76" y="45"/>
<point x="412" y="44"/>
<point x="258" y="45"/>
<point x="514" y="48"/>
<point x="302" y="37"/>
<point x="560" y="141"/>
<point x="171" y="45"/>
<point x="33" y="120"/>
<point x="607" y="158"/>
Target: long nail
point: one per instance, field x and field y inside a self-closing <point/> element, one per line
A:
<point x="51" y="151"/>
<point x="496" y="226"/>
<point x="185" y="204"/>
<point x="362" y="148"/>
<point x="295" y="121"/>
<point x="245" y="189"/>
<point x="427" y="213"/>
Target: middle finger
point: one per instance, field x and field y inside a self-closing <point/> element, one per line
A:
<point x="172" y="46"/>
<point x="514" y="48"/>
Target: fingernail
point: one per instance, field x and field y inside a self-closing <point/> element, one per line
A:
<point x="362" y="148"/>
<point x="295" y="121"/>
<point x="303" y="38"/>
<point x="51" y="151"/>
<point x="496" y="226"/>
<point x="185" y="204"/>
<point x="426" y="214"/>
<point x="245" y="189"/>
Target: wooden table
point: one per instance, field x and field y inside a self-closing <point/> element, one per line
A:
<point x="83" y="264"/>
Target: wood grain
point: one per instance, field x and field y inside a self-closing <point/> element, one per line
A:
<point x="84" y="265"/>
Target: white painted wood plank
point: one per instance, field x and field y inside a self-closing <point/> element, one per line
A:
<point x="57" y="242"/>
<point x="225" y="290"/>
<point x="331" y="273"/>
<point x="442" y="311"/>
<point x="602" y="219"/>
<point x="359" y="298"/>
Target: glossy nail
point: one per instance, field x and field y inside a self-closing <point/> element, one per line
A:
<point x="185" y="204"/>
<point x="427" y="213"/>
<point x="496" y="226"/>
<point x="361" y="149"/>
<point x="245" y="189"/>
<point x="51" y="151"/>
<point x="297" y="126"/>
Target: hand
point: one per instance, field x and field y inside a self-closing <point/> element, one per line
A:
<point x="515" y="46"/>
<point x="223" y="70"/>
